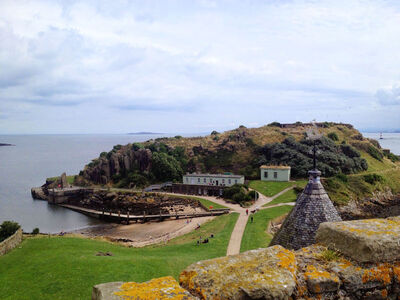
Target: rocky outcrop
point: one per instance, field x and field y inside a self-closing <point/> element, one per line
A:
<point x="258" y="274"/>
<point x="160" y="288"/>
<point x="382" y="204"/>
<point x="117" y="162"/>
<point x="313" y="272"/>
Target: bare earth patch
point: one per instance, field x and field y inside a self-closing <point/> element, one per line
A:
<point x="144" y="234"/>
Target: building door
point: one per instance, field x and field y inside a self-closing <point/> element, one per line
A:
<point x="216" y="182"/>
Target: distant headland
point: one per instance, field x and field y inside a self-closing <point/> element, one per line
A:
<point x="144" y="132"/>
<point x="4" y="144"/>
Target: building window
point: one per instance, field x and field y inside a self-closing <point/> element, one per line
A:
<point x="229" y="181"/>
<point x="266" y="174"/>
<point x="205" y="180"/>
<point x="223" y="180"/>
<point x="187" y="180"/>
<point x="275" y="174"/>
<point x="235" y="181"/>
<point x="210" y="180"/>
<point x="198" y="180"/>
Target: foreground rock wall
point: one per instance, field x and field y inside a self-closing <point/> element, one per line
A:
<point x="11" y="242"/>
<point x="334" y="269"/>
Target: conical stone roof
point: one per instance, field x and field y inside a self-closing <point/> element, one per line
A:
<point x="312" y="208"/>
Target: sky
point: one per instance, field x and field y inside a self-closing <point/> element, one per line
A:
<point x="196" y="66"/>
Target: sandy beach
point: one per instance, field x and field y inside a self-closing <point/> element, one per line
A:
<point x="143" y="234"/>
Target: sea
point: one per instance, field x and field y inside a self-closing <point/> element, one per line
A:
<point x="33" y="158"/>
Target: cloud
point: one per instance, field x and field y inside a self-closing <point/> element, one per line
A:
<point x="389" y="96"/>
<point x="216" y="62"/>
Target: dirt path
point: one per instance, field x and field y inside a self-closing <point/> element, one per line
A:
<point x="238" y="230"/>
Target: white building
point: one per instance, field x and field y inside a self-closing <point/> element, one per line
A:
<point x="275" y="173"/>
<point x="213" y="179"/>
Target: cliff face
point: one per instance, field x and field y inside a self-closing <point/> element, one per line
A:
<point x="353" y="260"/>
<point x="125" y="159"/>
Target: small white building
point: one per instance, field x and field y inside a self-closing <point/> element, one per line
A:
<point x="213" y="179"/>
<point x="275" y="173"/>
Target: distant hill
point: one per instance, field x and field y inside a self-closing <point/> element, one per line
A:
<point x="3" y="144"/>
<point x="143" y="132"/>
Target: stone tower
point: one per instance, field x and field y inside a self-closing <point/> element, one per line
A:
<point x="312" y="208"/>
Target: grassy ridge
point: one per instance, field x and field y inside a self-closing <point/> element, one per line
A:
<point x="255" y="235"/>
<point x="67" y="268"/>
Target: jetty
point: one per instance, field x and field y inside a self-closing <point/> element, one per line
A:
<point x="119" y="217"/>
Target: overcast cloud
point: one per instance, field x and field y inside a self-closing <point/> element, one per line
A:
<point x="195" y="66"/>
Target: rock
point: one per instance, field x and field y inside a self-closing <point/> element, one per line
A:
<point x="160" y="288"/>
<point x="320" y="281"/>
<point x="372" y="240"/>
<point x="257" y="274"/>
<point x="64" y="181"/>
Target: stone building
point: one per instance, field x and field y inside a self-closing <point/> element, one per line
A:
<point x="275" y="173"/>
<point x="312" y="208"/>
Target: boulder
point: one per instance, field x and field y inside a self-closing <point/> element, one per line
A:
<point x="257" y="274"/>
<point x="372" y="240"/>
<point x="161" y="288"/>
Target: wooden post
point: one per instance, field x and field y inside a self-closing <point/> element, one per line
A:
<point x="127" y="219"/>
<point x="119" y="216"/>
<point x="144" y="216"/>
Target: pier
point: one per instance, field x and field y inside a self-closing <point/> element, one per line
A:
<point x="119" y="217"/>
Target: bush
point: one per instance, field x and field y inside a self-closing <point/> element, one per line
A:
<point x="392" y="157"/>
<point x="35" y="231"/>
<point x="274" y="124"/>
<point x="373" y="178"/>
<point x="214" y="132"/>
<point x="253" y="195"/>
<point x="7" y="229"/>
<point x="375" y="153"/>
<point x="333" y="136"/>
<point x="103" y="154"/>
<point x="178" y="137"/>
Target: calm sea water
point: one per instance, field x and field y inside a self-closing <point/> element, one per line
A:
<point x="36" y="157"/>
<point x="389" y="140"/>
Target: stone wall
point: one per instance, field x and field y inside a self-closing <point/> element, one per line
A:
<point x="353" y="260"/>
<point x="10" y="243"/>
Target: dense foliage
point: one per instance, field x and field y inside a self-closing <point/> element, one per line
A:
<point x="331" y="159"/>
<point x="239" y="193"/>
<point x="7" y="229"/>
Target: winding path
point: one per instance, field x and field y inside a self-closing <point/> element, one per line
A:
<point x="237" y="233"/>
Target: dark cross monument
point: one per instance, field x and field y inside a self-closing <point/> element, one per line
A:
<point x="312" y="208"/>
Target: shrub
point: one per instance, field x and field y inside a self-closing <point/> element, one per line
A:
<point x="274" y="124"/>
<point x="392" y="157"/>
<point x="333" y="136"/>
<point x="253" y="195"/>
<point x="137" y="146"/>
<point x="7" y="229"/>
<point x="329" y="255"/>
<point x="178" y="137"/>
<point x="214" y="132"/>
<point x="375" y="153"/>
<point x="242" y="126"/>
<point x="35" y="231"/>
<point x="373" y="178"/>
<point x="103" y="154"/>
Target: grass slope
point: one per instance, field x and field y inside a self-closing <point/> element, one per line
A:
<point x="255" y="235"/>
<point x="289" y="196"/>
<point x="67" y="268"/>
<point x="271" y="188"/>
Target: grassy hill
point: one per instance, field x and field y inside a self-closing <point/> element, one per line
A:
<point x="345" y="157"/>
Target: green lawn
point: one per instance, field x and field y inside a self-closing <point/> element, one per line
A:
<point x="271" y="188"/>
<point x="67" y="267"/>
<point x="289" y="196"/>
<point x="70" y="178"/>
<point x="207" y="203"/>
<point x="255" y="235"/>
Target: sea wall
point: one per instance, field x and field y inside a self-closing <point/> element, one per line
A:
<point x="353" y="260"/>
<point x="11" y="242"/>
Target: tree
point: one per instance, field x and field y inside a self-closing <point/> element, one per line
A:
<point x="7" y="229"/>
<point x="165" y="167"/>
